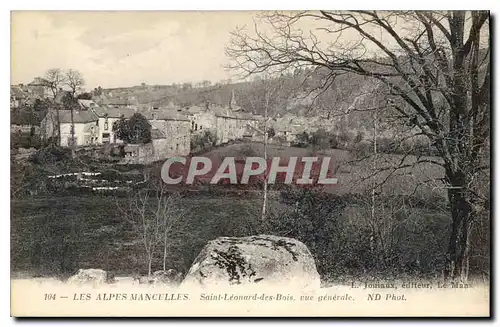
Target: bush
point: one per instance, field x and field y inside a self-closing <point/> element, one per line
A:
<point x="203" y="142"/>
<point x="343" y="242"/>
<point x="25" y="140"/>
<point x="303" y="140"/>
<point x="320" y="140"/>
<point x="51" y="154"/>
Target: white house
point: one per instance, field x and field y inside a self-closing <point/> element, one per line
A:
<point x="86" y="127"/>
<point x="106" y="118"/>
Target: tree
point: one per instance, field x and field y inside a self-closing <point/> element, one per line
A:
<point x="135" y="130"/>
<point x="56" y="79"/>
<point x="320" y="140"/>
<point x="303" y="139"/>
<point x="265" y="95"/>
<point x="152" y="213"/>
<point x="69" y="103"/>
<point x="74" y="80"/>
<point x="434" y="68"/>
<point x="97" y="91"/>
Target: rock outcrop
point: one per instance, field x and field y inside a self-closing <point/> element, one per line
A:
<point x="169" y="276"/>
<point x="93" y="277"/>
<point x="261" y="259"/>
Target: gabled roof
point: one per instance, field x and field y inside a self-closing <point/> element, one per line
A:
<point x="38" y="81"/>
<point x="87" y="103"/>
<point x="24" y="116"/>
<point x="16" y="92"/>
<point x="164" y="114"/>
<point x="116" y="101"/>
<point x="111" y="112"/>
<point x="194" y="109"/>
<point x="79" y="117"/>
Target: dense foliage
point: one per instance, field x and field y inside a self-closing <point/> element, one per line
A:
<point x="134" y="130"/>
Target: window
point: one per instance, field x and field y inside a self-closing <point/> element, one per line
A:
<point x="105" y="137"/>
<point x="106" y="125"/>
<point x="201" y="127"/>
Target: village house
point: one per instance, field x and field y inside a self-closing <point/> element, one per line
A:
<point x="107" y="116"/>
<point x="17" y="96"/>
<point x="25" y="122"/>
<point x="232" y="125"/>
<point x="85" y="126"/>
<point x="201" y="118"/>
<point x="39" y="88"/>
<point x="170" y="132"/>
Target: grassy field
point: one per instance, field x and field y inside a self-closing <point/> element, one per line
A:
<point x="353" y="171"/>
<point x="56" y="235"/>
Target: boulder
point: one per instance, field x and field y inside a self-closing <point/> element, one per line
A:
<point x="261" y="259"/>
<point x="169" y="276"/>
<point x="89" y="276"/>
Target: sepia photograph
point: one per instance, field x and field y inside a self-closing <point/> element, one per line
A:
<point x="250" y="163"/>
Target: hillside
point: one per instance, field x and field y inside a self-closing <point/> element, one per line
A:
<point x="294" y="94"/>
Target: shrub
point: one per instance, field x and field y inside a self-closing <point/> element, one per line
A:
<point x="320" y="140"/>
<point x="25" y="140"/>
<point x="203" y="141"/>
<point x="51" y="154"/>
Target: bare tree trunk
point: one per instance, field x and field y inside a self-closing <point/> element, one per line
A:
<point x="457" y="255"/>
<point x="58" y="121"/>
<point x="165" y="244"/>
<point x="372" y="202"/>
<point x="72" y="134"/>
<point x="165" y="254"/>
<point x="374" y="164"/>
<point x="264" y="202"/>
<point x="150" y="261"/>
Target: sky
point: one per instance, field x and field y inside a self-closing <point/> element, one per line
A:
<point x="127" y="48"/>
<point x="113" y="49"/>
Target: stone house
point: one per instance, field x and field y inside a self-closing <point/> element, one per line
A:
<point x="107" y="116"/>
<point x="174" y="132"/>
<point x="85" y="126"/>
<point x="39" y="88"/>
<point x="200" y="118"/>
<point x="232" y="125"/>
<point x="17" y="96"/>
